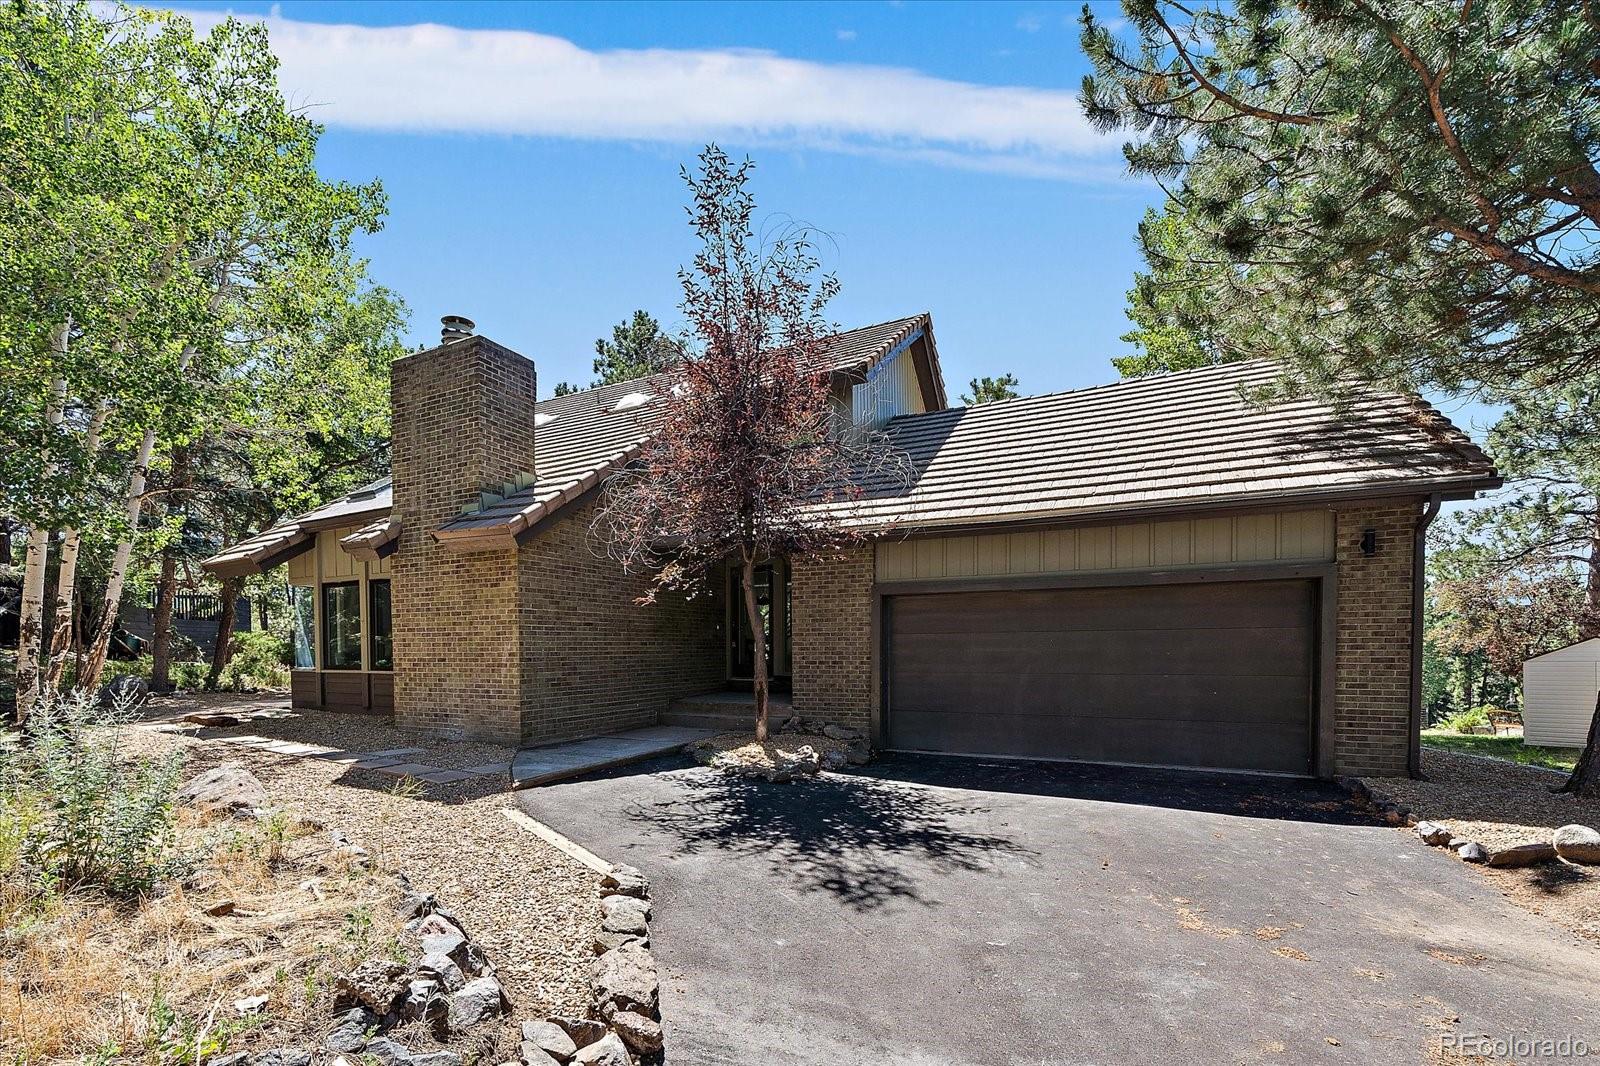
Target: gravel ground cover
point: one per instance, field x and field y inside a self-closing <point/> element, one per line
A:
<point x="531" y="907"/>
<point x="1502" y="804"/>
<point x="746" y="749"/>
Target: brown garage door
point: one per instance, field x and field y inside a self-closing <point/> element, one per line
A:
<point x="1209" y="674"/>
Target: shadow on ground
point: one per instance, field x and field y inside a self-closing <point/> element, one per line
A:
<point x="839" y="834"/>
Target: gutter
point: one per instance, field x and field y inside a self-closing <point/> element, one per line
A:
<point x="1419" y="577"/>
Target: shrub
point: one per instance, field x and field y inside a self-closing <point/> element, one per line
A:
<point x="1468" y="721"/>
<point x="74" y="813"/>
<point x="256" y="660"/>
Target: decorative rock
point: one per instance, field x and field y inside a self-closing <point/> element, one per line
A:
<point x="859" y="753"/>
<point x="238" y="1058"/>
<point x="625" y="979"/>
<point x="283" y="1056"/>
<point x="1578" y="843"/>
<point x="215" y="719"/>
<point x="425" y="1000"/>
<point x="459" y="950"/>
<point x="1523" y="854"/>
<point x="1436" y="835"/>
<point x="841" y="732"/>
<point x="479" y="999"/>
<point x="250" y="1005"/>
<point x="436" y="1058"/>
<point x="229" y="789"/>
<point x="376" y="984"/>
<point x="221" y="908"/>
<point x="387" y="1052"/>
<point x="549" y="1038"/>
<point x="124" y="692"/>
<point x="443" y="969"/>
<point x="834" y="760"/>
<point x="640" y="1033"/>
<point x="581" y="1030"/>
<point x="350" y="1031"/>
<point x="624" y="880"/>
<point x="1472" y="851"/>
<point x="605" y="941"/>
<point x="624" y="914"/>
<point x="435" y="924"/>
<point x="417" y="904"/>
<point x="609" y="1050"/>
<point x="533" y="1055"/>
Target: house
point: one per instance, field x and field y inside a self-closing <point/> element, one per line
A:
<point x="1559" y="692"/>
<point x="1153" y="572"/>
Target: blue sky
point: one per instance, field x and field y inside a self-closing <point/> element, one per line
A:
<point x="1023" y="253"/>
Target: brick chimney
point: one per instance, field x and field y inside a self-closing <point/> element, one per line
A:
<point x="463" y="424"/>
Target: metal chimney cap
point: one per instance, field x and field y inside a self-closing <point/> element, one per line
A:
<point x="454" y="327"/>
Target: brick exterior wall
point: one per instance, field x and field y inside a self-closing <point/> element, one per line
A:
<point x="593" y="660"/>
<point x="1372" y="697"/>
<point x="832" y="640"/>
<point x="463" y="420"/>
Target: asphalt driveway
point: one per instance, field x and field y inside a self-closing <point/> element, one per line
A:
<point x="956" y="911"/>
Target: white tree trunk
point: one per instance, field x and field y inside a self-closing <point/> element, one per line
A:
<point x="30" y="640"/>
<point x="94" y="661"/>
<point x="60" y="644"/>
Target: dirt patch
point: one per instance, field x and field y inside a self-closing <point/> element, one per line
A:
<point x="777" y="748"/>
<point x="527" y="904"/>
<point x="1502" y="804"/>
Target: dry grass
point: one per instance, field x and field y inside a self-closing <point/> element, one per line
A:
<point x="84" y="977"/>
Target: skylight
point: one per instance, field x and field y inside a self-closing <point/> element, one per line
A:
<point x="632" y="400"/>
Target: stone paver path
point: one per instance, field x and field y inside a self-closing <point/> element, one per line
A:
<point x="558" y="762"/>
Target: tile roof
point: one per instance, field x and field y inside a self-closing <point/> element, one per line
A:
<point x="1177" y="441"/>
<point x="287" y="539"/>
<point x="587" y="435"/>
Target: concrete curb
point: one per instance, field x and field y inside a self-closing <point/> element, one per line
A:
<point x="562" y="843"/>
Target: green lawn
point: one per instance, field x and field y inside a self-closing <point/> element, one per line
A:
<point x="1509" y="748"/>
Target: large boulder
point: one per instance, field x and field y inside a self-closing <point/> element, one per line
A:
<point x="642" y="1035"/>
<point x="1578" y="843"/>
<point x="478" y="1000"/>
<point x="626" y="979"/>
<point x="376" y="984"/>
<point x="229" y="789"/>
<point x="124" y="692"/>
<point x="624" y="880"/>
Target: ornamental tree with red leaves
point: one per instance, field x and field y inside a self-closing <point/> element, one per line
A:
<point x="750" y="459"/>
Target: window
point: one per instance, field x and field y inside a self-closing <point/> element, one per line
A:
<point x="341" y="626"/>
<point x="380" y="652"/>
<point x="303" y="604"/>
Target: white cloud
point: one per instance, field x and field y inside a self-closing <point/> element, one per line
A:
<point x="432" y="78"/>
<point x="1030" y="23"/>
<point x="845" y="35"/>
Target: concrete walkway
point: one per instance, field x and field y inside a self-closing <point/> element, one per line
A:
<point x="573" y="758"/>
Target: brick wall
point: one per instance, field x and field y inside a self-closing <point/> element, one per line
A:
<point x="1372" y="714"/>
<point x="593" y="660"/>
<point x="463" y="421"/>
<point x="832" y="598"/>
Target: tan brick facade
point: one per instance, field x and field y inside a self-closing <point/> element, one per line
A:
<point x="833" y="659"/>
<point x="1372" y="690"/>
<point x="461" y="413"/>
<point x="593" y="659"/>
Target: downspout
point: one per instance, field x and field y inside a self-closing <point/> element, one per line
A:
<point x="1419" y="578"/>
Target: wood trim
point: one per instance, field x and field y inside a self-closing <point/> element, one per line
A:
<point x="1324" y="736"/>
<point x="1109" y="579"/>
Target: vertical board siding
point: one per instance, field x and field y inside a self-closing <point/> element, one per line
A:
<point x="1558" y="699"/>
<point x="1297" y="536"/>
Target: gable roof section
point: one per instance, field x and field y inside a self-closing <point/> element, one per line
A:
<point x="1176" y="442"/>
<point x="1579" y="650"/>
<point x="289" y="538"/>
<point x="583" y="437"/>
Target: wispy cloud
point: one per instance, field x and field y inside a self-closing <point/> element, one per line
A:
<point x="845" y="35"/>
<point x="432" y="78"/>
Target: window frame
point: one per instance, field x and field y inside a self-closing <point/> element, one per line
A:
<point x="372" y="624"/>
<point x="325" y="619"/>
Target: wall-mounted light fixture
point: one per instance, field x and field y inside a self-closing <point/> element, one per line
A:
<point x="1369" y="542"/>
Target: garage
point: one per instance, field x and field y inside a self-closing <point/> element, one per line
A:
<point x="1214" y="674"/>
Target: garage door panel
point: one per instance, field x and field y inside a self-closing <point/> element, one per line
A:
<point x="1170" y="697"/>
<point x="1206" y="674"/>
<point x="1281" y="652"/>
<point x="1160" y="742"/>
<point x="1174" y="607"/>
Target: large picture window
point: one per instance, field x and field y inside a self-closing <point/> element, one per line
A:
<point x="341" y="626"/>
<point x="381" y="651"/>
<point x="302" y="600"/>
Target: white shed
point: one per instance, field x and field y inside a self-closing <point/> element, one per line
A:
<point x="1559" y="689"/>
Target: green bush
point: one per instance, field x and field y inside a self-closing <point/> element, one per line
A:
<point x="256" y="660"/>
<point x="1468" y="721"/>
<point x="73" y="813"/>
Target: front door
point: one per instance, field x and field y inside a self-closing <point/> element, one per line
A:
<point x="772" y="602"/>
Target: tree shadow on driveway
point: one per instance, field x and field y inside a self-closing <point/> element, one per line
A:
<point x="866" y="842"/>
